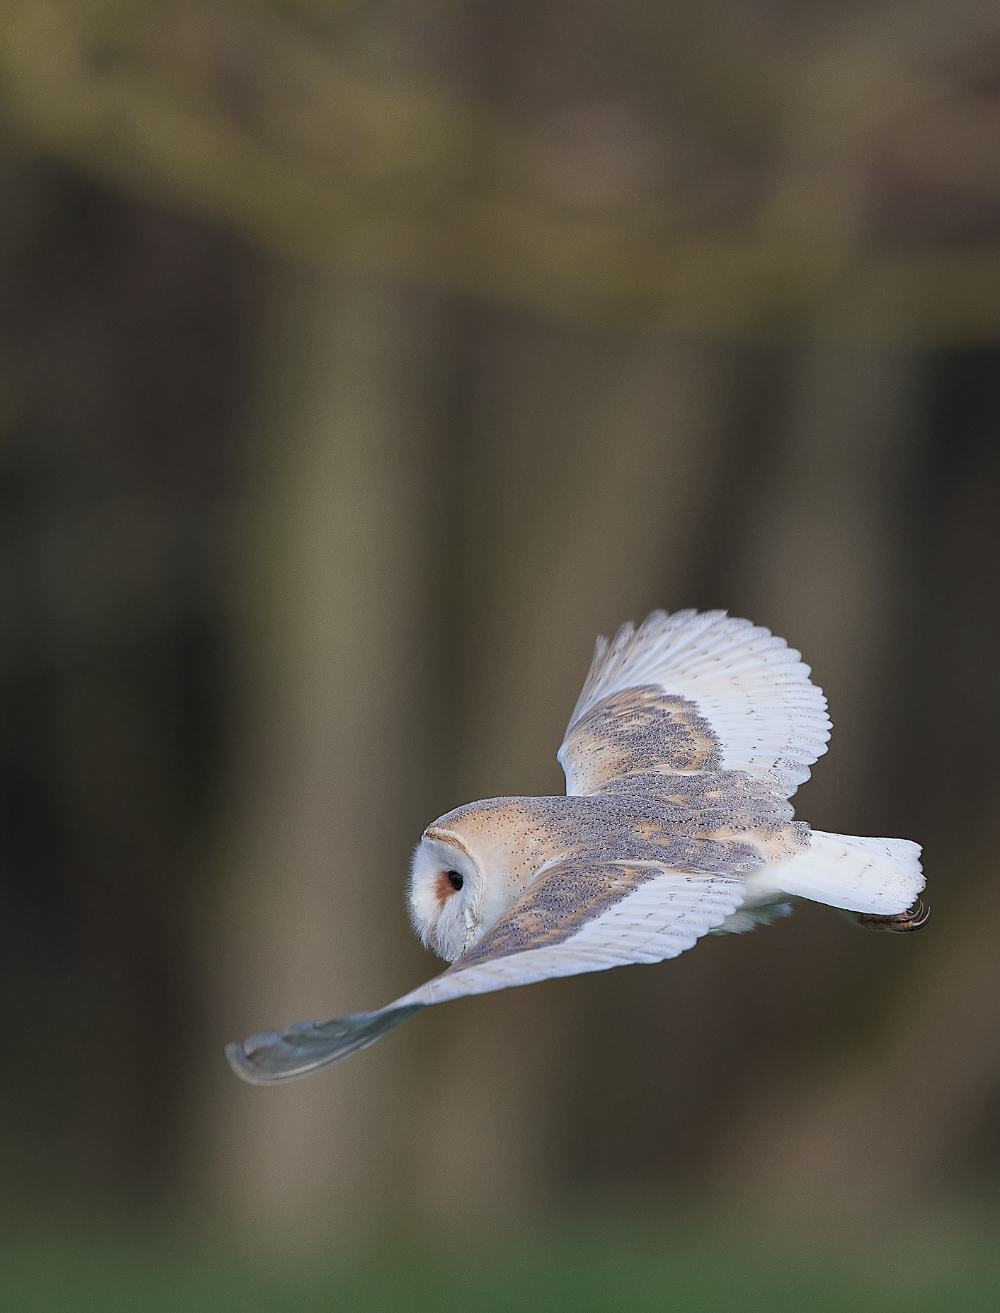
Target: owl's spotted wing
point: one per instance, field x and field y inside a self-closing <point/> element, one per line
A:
<point x="583" y="915"/>
<point x="693" y="692"/>
<point x="589" y="915"/>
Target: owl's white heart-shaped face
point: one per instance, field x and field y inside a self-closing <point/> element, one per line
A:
<point x="447" y="888"/>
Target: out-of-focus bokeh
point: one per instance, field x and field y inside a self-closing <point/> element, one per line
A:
<point x="359" y="363"/>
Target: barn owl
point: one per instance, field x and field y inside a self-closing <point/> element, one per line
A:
<point x="690" y="735"/>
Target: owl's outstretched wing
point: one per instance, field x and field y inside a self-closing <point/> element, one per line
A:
<point x="583" y="915"/>
<point x="693" y="692"/>
<point x="304" y="1047"/>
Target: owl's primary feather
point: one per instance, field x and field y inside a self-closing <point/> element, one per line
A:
<point x="689" y="737"/>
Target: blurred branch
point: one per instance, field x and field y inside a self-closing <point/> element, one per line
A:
<point x="959" y="143"/>
<point x="235" y="116"/>
<point x="708" y="65"/>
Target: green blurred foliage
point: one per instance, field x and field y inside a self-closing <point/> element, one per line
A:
<point x="579" y="1270"/>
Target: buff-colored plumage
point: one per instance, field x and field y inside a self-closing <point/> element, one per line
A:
<point x="689" y="737"/>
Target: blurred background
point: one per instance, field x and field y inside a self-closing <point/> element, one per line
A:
<point x="359" y="363"/>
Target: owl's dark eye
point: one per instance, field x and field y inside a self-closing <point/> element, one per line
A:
<point x="454" y="879"/>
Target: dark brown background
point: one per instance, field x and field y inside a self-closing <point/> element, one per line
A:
<point x="358" y="364"/>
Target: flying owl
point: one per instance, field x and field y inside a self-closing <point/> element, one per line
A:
<point x="690" y="735"/>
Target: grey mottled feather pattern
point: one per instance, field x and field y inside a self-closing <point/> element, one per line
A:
<point x="610" y="844"/>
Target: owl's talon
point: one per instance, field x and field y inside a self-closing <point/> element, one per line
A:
<point x="914" y="918"/>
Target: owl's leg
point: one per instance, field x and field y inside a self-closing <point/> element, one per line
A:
<point x="914" y="918"/>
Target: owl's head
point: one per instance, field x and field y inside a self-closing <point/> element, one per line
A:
<point x="446" y="886"/>
<point x="469" y="868"/>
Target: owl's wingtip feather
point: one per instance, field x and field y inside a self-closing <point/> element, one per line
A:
<point x="240" y="1063"/>
<point x="268" y="1058"/>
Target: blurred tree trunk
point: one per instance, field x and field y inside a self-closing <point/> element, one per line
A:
<point x="822" y="566"/>
<point x="591" y="474"/>
<point x="329" y="784"/>
<point x="898" y="1112"/>
<point x="821" y="561"/>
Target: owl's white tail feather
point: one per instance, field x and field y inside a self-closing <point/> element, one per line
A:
<point x="878" y="876"/>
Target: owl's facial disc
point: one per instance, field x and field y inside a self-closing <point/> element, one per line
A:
<point x="446" y="886"/>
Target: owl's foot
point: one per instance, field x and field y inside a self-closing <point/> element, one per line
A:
<point x="914" y="918"/>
